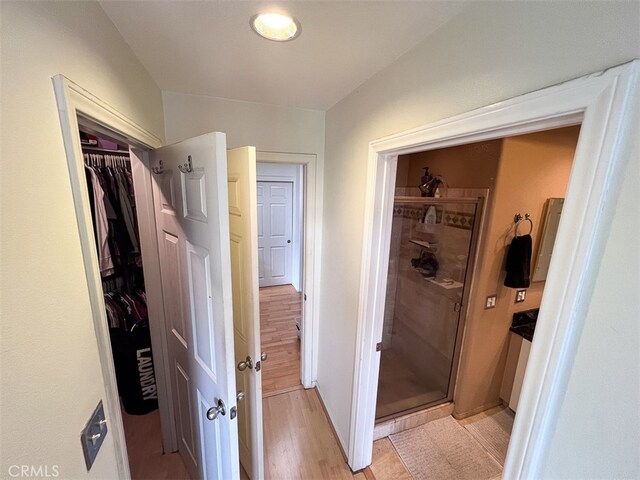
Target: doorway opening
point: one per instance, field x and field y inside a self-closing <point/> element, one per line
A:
<point x="430" y="389"/>
<point x="118" y="208"/>
<point x="280" y="208"/>
<point x="601" y="103"/>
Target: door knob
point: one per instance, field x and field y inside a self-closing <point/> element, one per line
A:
<point x="219" y="409"/>
<point x="263" y="356"/>
<point x="248" y="363"/>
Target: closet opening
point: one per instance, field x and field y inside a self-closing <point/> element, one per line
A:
<point x="118" y="204"/>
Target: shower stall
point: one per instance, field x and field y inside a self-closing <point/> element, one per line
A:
<point x="432" y="247"/>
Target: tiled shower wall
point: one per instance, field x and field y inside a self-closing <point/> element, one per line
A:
<point x="420" y="322"/>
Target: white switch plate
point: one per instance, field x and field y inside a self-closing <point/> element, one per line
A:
<point x="520" y="295"/>
<point x="490" y="302"/>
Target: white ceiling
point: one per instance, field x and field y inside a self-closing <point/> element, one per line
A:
<point x="208" y="48"/>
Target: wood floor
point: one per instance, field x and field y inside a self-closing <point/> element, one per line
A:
<point x="144" y="447"/>
<point x="298" y="439"/>
<point x="300" y="444"/>
<point x="280" y="309"/>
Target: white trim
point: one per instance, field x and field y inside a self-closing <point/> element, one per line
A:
<point x="603" y="102"/>
<point x="311" y="264"/>
<point x="73" y="101"/>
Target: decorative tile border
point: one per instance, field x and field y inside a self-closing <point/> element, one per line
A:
<point x="415" y="213"/>
<point x="461" y="220"/>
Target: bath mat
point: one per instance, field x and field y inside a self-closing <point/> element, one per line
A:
<point x="493" y="433"/>
<point x="443" y="450"/>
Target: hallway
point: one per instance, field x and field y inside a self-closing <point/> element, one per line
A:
<point x="299" y="442"/>
<point x="280" y="309"/>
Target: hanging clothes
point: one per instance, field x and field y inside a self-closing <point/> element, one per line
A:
<point x="101" y="224"/>
<point x="126" y="311"/>
<point x="112" y="198"/>
<point x="125" y="207"/>
<point x="112" y="189"/>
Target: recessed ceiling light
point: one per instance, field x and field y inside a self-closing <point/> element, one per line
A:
<point x="276" y="26"/>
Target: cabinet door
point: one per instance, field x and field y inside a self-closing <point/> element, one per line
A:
<point x="520" y="370"/>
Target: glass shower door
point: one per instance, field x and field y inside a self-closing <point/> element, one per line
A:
<point x="429" y="258"/>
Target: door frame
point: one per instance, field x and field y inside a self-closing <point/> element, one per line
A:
<point x="73" y="101"/>
<point x="603" y="103"/>
<point x="312" y="215"/>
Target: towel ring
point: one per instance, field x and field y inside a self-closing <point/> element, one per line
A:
<point x="517" y="218"/>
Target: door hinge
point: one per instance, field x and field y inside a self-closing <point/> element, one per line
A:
<point x="379" y="347"/>
<point x="305" y="297"/>
<point x="457" y="307"/>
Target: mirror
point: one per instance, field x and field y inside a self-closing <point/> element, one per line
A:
<point x="548" y="238"/>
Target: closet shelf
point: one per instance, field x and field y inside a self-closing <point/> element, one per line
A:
<point x="105" y="150"/>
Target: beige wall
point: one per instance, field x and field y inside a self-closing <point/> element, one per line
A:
<point x="489" y="52"/>
<point x="465" y="166"/>
<point x="269" y="128"/>
<point x="51" y="378"/>
<point x="532" y="168"/>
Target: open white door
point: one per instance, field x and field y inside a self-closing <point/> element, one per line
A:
<point x="243" y="225"/>
<point x="191" y="208"/>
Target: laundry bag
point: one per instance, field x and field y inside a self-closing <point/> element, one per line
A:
<point x="134" y="370"/>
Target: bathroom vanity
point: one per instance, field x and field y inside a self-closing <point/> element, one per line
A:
<point x="522" y="330"/>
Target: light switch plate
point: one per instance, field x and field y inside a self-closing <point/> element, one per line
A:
<point x="520" y="295"/>
<point x="93" y="435"/>
<point x="490" y="302"/>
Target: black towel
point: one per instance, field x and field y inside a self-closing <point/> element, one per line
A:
<point x="518" y="262"/>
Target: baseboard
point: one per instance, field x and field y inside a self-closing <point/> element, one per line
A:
<point x="333" y="429"/>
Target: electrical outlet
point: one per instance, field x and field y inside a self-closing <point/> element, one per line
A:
<point x="490" y="302"/>
<point x="520" y="295"/>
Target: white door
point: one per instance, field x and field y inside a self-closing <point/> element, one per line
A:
<point x="275" y="229"/>
<point x="243" y="224"/>
<point x="192" y="219"/>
